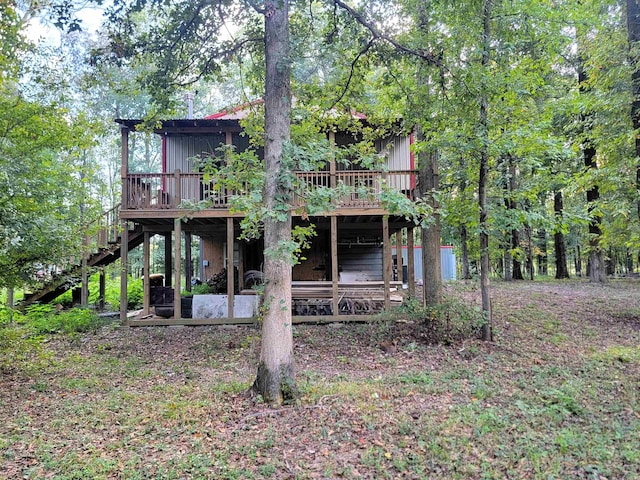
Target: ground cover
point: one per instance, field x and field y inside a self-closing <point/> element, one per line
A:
<point x="555" y="396"/>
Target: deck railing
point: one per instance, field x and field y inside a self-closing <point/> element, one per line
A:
<point x="361" y="188"/>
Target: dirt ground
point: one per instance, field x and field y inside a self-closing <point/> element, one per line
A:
<point x="555" y="396"/>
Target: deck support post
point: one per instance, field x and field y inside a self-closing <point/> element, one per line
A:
<point x="241" y="246"/>
<point x="102" y="289"/>
<point x="124" y="234"/>
<point x="84" y="273"/>
<point x="188" y="262"/>
<point x="168" y="263"/>
<point x="386" y="261"/>
<point x="230" y="272"/>
<point x="146" y="281"/>
<point x="411" y="263"/>
<point x="124" y="271"/>
<point x="335" y="273"/>
<point x="177" y="261"/>
<point x="399" y="256"/>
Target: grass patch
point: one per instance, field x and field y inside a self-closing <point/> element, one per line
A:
<point x="619" y="353"/>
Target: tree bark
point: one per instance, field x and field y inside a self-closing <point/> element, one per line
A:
<point x="466" y="271"/>
<point x="275" y="379"/>
<point x="428" y="184"/>
<point x="529" y="251"/>
<point x="633" y="32"/>
<point x="597" y="270"/>
<point x="431" y="262"/>
<point x="507" y="261"/>
<point x="542" y="255"/>
<point x="487" y="331"/>
<point x="559" y="244"/>
<point x="516" y="271"/>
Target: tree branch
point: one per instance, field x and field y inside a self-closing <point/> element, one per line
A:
<point x="353" y="65"/>
<point x="256" y="6"/>
<point x="428" y="57"/>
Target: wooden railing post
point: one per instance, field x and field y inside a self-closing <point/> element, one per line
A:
<point x="178" y="189"/>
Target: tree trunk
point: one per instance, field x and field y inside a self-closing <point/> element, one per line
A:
<point x="466" y="271"/>
<point x="529" y="235"/>
<point x="511" y="205"/>
<point x="487" y="331"/>
<point x="275" y="379"/>
<point x="431" y="262"/>
<point x="517" y="265"/>
<point x="633" y="32"/>
<point x="559" y="245"/>
<point x="429" y="183"/>
<point x="597" y="272"/>
<point x="508" y="261"/>
<point x="542" y="256"/>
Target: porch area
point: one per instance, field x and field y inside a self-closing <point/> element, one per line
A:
<point x="349" y="273"/>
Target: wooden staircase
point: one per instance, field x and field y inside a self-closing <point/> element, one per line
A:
<point x="104" y="248"/>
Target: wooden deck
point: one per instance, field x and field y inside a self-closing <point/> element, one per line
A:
<point x="193" y="322"/>
<point x="358" y="301"/>
<point x="160" y="192"/>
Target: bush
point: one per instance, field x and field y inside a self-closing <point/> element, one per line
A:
<point x="20" y="348"/>
<point x="134" y="293"/>
<point x="450" y="322"/>
<point x="45" y="319"/>
<point x="202" y="289"/>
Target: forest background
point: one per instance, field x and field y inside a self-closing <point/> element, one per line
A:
<point x="556" y="80"/>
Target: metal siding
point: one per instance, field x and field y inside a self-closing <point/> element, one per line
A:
<point x="398" y="153"/>
<point x="447" y="260"/>
<point x="181" y="150"/>
<point x="180" y="153"/>
<point x="360" y="263"/>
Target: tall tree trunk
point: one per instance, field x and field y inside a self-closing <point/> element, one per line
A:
<point x="542" y="258"/>
<point x="487" y="331"/>
<point x="529" y="250"/>
<point x="275" y="379"/>
<point x="509" y="204"/>
<point x="464" y="234"/>
<point x="431" y="262"/>
<point x="516" y="264"/>
<point x="512" y="183"/>
<point x="559" y="244"/>
<point x="466" y="271"/>
<point x="597" y="271"/>
<point x="633" y="32"/>
<point x="508" y="261"/>
<point x="428" y="184"/>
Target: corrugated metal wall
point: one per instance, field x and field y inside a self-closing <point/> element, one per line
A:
<point x="398" y="153"/>
<point x="360" y="263"/>
<point x="181" y="149"/>
<point x="447" y="260"/>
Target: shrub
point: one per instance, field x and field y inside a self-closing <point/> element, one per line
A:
<point x="111" y="294"/>
<point x="450" y="322"/>
<point x="20" y="348"/>
<point x="44" y="319"/>
<point x="202" y="289"/>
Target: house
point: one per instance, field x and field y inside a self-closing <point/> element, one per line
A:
<point x="348" y="269"/>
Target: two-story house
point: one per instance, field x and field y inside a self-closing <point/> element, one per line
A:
<point x="348" y="269"/>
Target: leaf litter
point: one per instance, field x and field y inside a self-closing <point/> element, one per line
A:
<point x="556" y="395"/>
